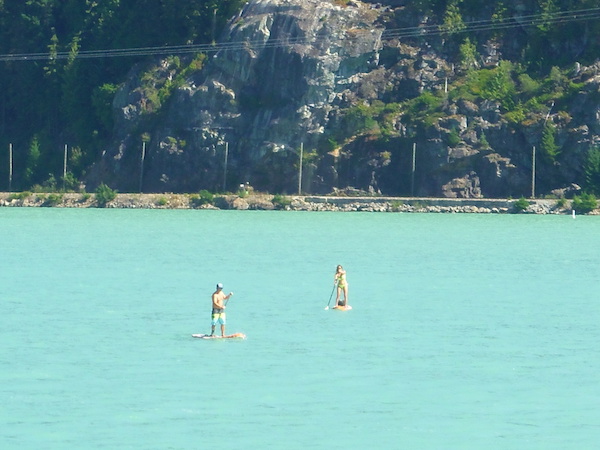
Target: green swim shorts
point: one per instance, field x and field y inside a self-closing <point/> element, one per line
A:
<point x="218" y="318"/>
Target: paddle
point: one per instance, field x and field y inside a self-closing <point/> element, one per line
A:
<point x="330" y="297"/>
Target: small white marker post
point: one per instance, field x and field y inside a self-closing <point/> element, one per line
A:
<point x="573" y="213"/>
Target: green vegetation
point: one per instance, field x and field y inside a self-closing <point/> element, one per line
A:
<point x="561" y="203"/>
<point x="203" y="197"/>
<point x="585" y="203"/>
<point x="53" y="199"/>
<point x="376" y="118"/>
<point x="19" y="195"/>
<point x="468" y="55"/>
<point x="549" y="147"/>
<point x="69" y="99"/>
<point x="33" y="160"/>
<point x="453" y="138"/>
<point x="396" y="205"/>
<point x="521" y="205"/>
<point x="500" y="86"/>
<point x="104" y="195"/>
<point x="157" y="87"/>
<point x="519" y="95"/>
<point x="280" y="201"/>
<point x="424" y="110"/>
<point x="483" y="142"/>
<point x="453" y="21"/>
<point x="592" y="171"/>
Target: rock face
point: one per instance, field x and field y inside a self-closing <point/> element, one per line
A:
<point x="285" y="75"/>
<point x="257" y="101"/>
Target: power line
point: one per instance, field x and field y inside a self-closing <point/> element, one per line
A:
<point x="497" y="24"/>
<point x="554" y="18"/>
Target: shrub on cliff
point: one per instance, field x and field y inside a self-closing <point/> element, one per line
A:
<point x="280" y="201"/>
<point x="585" y="203"/>
<point x="53" y="199"/>
<point x="104" y="194"/>
<point x="521" y="205"/>
<point x="203" y="197"/>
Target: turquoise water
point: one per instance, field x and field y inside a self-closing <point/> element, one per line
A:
<point x="468" y="331"/>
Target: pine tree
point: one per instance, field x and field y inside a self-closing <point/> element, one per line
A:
<point x="592" y="171"/>
<point x="549" y="147"/>
<point x="33" y="161"/>
<point x="468" y="55"/>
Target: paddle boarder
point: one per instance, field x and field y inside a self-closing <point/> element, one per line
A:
<point x="218" y="309"/>
<point x="342" y="286"/>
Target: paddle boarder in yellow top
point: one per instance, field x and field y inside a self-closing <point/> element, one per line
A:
<point x="218" y="309"/>
<point x="342" y="286"/>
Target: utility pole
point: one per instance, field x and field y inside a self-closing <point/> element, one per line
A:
<point x="412" y="172"/>
<point x="10" y="167"/>
<point x="533" y="172"/>
<point x="300" y="169"/>
<point x="225" y="167"/>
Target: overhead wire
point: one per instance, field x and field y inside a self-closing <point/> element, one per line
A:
<point x="496" y="24"/>
<point x="552" y="18"/>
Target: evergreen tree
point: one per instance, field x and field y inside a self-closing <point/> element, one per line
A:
<point x="453" y="21"/>
<point x="592" y="171"/>
<point x="468" y="55"/>
<point x="33" y="161"/>
<point x="549" y="147"/>
<point x="501" y="86"/>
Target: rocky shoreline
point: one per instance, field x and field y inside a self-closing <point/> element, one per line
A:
<point x="268" y="202"/>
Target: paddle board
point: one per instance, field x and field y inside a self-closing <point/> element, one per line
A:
<point x="343" y="308"/>
<point x="218" y="336"/>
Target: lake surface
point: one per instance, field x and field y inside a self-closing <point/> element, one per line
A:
<point x="468" y="331"/>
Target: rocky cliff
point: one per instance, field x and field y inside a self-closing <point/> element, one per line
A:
<point x="293" y="77"/>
